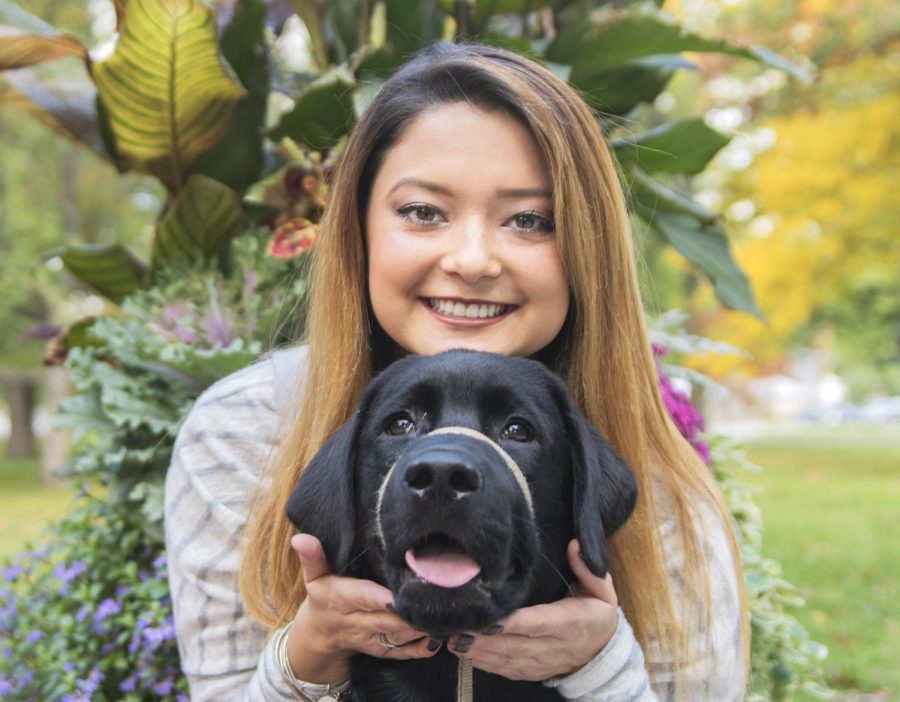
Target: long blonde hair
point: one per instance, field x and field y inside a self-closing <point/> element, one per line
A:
<point x="603" y="350"/>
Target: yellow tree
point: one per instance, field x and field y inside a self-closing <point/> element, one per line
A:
<point x="816" y="213"/>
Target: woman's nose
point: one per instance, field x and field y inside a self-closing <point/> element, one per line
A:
<point x="471" y="255"/>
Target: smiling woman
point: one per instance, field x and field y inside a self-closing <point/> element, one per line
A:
<point x="460" y="237"/>
<point x="475" y="205"/>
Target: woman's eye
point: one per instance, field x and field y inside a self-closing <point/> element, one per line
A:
<point x="399" y="425"/>
<point x="528" y="222"/>
<point x="516" y="431"/>
<point x="420" y="214"/>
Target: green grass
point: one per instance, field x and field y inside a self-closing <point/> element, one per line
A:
<point x="26" y="505"/>
<point x="831" y="515"/>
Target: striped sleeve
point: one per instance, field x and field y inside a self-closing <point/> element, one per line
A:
<point x="220" y="452"/>
<point x="714" y="670"/>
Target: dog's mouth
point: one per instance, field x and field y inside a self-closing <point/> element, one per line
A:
<point x="440" y="560"/>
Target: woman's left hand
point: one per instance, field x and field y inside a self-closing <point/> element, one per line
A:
<point x="544" y="641"/>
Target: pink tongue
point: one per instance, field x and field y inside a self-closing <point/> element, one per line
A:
<point x="443" y="568"/>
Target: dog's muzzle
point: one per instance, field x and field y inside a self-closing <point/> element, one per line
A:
<point x="454" y="480"/>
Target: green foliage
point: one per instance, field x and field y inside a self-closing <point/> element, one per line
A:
<point x="783" y="658"/>
<point x="88" y="615"/>
<point x="139" y="373"/>
<point x="178" y="97"/>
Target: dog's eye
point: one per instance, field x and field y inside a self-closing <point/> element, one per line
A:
<point x="400" y="424"/>
<point x="516" y="431"/>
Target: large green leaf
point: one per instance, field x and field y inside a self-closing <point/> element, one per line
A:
<point x="655" y="195"/>
<point x="166" y="91"/>
<point x="706" y="246"/>
<point x="18" y="50"/>
<point x="110" y="269"/>
<point x="237" y="160"/>
<point x="635" y="34"/>
<point x="322" y="113"/>
<point x="198" y="226"/>
<point x="617" y="90"/>
<point x="591" y="45"/>
<point x="344" y="28"/>
<point x="412" y="24"/>
<point x="684" y="146"/>
<point x="695" y="233"/>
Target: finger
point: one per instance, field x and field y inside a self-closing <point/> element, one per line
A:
<point x="351" y="595"/>
<point x="532" y="622"/>
<point x="312" y="556"/>
<point x="590" y="584"/>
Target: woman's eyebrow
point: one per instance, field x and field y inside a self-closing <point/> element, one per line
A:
<point x="508" y="193"/>
<point x="516" y="193"/>
<point x="421" y="183"/>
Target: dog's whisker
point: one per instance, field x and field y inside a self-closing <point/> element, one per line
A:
<point x="353" y="560"/>
<point x="557" y="571"/>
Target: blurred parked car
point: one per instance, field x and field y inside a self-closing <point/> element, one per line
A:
<point x="880" y="409"/>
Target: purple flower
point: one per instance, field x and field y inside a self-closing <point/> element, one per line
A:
<point x="6" y="685"/>
<point x="163" y="687"/>
<point x="91" y="683"/>
<point x="128" y="684"/>
<point x="105" y="609"/>
<point x="34" y="636"/>
<point x="12" y="572"/>
<point x="160" y="562"/>
<point x="686" y="417"/>
<point x="68" y="573"/>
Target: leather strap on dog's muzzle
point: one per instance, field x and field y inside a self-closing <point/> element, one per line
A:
<point x="472" y="434"/>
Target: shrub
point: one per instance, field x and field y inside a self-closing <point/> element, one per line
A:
<point x="88" y="615"/>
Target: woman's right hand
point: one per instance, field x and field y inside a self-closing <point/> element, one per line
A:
<point x="342" y="617"/>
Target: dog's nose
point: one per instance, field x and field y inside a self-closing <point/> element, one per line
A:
<point x="442" y="477"/>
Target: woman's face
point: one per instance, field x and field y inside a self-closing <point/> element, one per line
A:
<point x="461" y="244"/>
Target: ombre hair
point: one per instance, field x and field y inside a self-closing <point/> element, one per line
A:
<point x="603" y="350"/>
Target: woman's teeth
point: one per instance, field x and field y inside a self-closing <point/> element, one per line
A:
<point x="458" y="309"/>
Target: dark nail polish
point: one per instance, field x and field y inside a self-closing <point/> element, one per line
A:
<point x="466" y="640"/>
<point x="492" y="630"/>
<point x="434" y="645"/>
<point x="461" y="648"/>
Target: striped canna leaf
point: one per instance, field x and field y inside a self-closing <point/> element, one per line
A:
<point x="166" y="92"/>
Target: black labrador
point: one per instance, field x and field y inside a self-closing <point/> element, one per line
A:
<point x="458" y="484"/>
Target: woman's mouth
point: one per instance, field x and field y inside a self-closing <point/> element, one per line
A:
<point x="464" y="310"/>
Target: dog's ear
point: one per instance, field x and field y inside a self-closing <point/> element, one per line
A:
<point x="604" y="488"/>
<point x="322" y="502"/>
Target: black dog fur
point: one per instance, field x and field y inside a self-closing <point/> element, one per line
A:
<point x="455" y="490"/>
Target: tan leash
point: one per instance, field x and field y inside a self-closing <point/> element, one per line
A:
<point x="464" y="689"/>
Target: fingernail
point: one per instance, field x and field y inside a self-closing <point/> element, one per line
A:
<point x="463" y="642"/>
<point x="434" y="645"/>
<point x="491" y="631"/>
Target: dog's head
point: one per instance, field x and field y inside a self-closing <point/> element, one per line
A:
<point x="458" y="484"/>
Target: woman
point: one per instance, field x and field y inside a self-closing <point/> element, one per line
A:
<point x="476" y="205"/>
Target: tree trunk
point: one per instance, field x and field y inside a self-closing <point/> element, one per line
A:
<point x="55" y="446"/>
<point x="21" y="395"/>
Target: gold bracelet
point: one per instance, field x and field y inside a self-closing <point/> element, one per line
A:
<point x="305" y="691"/>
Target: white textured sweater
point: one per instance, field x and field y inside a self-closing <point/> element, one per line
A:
<point x="219" y="455"/>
